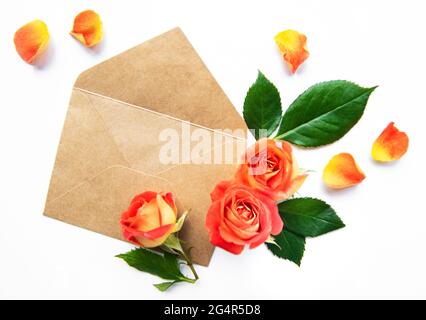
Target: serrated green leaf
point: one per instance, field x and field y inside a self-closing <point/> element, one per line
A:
<point x="163" y="265"/>
<point x="324" y="113"/>
<point x="290" y="246"/>
<point x="309" y="217"/>
<point x="262" y="107"/>
<point x="164" y="286"/>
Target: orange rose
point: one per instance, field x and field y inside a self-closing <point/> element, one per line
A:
<point x="240" y="216"/>
<point x="271" y="168"/>
<point x="150" y="219"/>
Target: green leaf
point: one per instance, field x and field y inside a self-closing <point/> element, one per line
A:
<point x="262" y="107"/>
<point x="165" y="265"/>
<point x="324" y="113"/>
<point x="309" y="217"/>
<point x="164" y="286"/>
<point x="289" y="246"/>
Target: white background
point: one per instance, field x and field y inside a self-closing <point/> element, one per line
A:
<point x="381" y="252"/>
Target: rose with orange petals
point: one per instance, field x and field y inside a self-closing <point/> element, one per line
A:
<point x="292" y="45"/>
<point x="270" y="168"/>
<point x="150" y="219"/>
<point x="31" y="40"/>
<point x="88" y="28"/>
<point x="391" y="145"/>
<point x="240" y="216"/>
<point x="151" y="222"/>
<point x="342" y="172"/>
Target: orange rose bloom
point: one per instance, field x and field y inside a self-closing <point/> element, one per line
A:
<point x="240" y="216"/>
<point x="150" y="219"/>
<point x="271" y="169"/>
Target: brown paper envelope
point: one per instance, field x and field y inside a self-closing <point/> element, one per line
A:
<point x="110" y="146"/>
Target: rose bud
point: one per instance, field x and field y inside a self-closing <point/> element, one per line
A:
<point x="150" y="219"/>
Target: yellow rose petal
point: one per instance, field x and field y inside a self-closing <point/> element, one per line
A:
<point x="31" y="40"/>
<point x="292" y="45"/>
<point x="342" y="172"/>
<point x="391" y="145"/>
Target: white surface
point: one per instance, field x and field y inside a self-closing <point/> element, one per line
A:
<point x="381" y="252"/>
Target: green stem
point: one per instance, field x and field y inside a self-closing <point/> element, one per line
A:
<point x="280" y="137"/>
<point x="189" y="280"/>
<point x="190" y="264"/>
<point x="173" y="244"/>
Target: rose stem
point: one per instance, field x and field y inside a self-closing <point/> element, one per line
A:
<point x="190" y="264"/>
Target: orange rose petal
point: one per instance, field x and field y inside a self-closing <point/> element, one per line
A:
<point x="31" y="40"/>
<point x="296" y="184"/>
<point x="342" y="172"/>
<point x="155" y="238"/>
<point x="88" y="28"/>
<point x="391" y="145"/>
<point x="292" y="45"/>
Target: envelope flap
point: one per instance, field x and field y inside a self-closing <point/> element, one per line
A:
<point x="86" y="147"/>
<point x="166" y="75"/>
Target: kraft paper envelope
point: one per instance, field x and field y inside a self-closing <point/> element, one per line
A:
<point x="110" y="144"/>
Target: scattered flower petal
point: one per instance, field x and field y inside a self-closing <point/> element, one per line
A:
<point x="391" y="145"/>
<point x="292" y="45"/>
<point x="342" y="172"/>
<point x="88" y="28"/>
<point x="31" y="40"/>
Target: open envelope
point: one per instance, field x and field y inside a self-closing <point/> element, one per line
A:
<point x="110" y="145"/>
